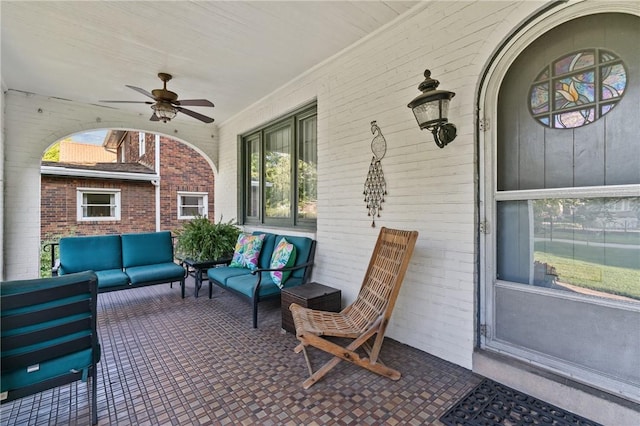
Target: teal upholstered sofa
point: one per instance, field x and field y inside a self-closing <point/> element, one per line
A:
<point x="257" y="285"/>
<point x="121" y="261"/>
<point x="49" y="335"/>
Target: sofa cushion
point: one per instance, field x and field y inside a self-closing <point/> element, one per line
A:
<point x="293" y="282"/>
<point x="147" y="248"/>
<point x="247" y="251"/>
<point x="159" y="272"/>
<point x="47" y="370"/>
<point x="91" y="253"/>
<point x="268" y="245"/>
<point x="112" y="278"/>
<point x="284" y="256"/>
<point x="245" y="283"/>
<point x="303" y="251"/>
<point x="221" y="274"/>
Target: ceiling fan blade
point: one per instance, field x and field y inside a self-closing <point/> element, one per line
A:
<point x="154" y="117"/>
<point x="130" y="102"/>
<point x="139" y="90"/>
<point x="195" y="115"/>
<point x="194" y="102"/>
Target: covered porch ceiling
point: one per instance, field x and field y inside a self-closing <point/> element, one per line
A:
<point x="232" y="53"/>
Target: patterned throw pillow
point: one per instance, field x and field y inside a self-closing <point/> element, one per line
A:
<point x="284" y="256"/>
<point x="247" y="251"/>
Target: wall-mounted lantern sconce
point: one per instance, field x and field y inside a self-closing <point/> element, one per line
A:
<point x="431" y="109"/>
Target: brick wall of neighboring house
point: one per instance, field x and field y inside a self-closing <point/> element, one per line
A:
<point x="182" y="169"/>
<point x="131" y="148"/>
<point x="58" y="204"/>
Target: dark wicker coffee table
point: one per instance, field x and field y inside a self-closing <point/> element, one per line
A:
<point x="311" y="295"/>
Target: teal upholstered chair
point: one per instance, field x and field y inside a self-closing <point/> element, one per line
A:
<point x="49" y="336"/>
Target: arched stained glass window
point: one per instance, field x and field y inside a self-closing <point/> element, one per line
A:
<point x="577" y="89"/>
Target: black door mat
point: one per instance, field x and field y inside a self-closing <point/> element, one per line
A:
<point x="491" y="403"/>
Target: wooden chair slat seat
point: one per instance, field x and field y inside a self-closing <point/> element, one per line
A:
<point x="367" y="316"/>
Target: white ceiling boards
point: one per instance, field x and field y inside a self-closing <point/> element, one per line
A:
<point x="232" y="53"/>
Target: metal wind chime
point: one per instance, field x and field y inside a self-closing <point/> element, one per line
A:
<point x="375" y="187"/>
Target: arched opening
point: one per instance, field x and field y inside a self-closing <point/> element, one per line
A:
<point x="115" y="181"/>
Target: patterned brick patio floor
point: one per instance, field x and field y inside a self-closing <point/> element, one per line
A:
<point x="171" y="361"/>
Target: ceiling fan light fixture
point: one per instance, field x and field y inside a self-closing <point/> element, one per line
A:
<point x="166" y="104"/>
<point x="164" y="111"/>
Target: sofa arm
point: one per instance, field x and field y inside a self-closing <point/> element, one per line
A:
<point x="291" y="268"/>
<point x="55" y="262"/>
<point x="256" y="288"/>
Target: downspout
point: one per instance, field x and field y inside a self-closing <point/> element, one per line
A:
<point x="156" y="182"/>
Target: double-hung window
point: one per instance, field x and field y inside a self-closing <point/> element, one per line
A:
<point x="278" y="165"/>
<point x="192" y="204"/>
<point x="95" y="204"/>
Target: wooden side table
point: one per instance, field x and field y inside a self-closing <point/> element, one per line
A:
<point x="312" y="295"/>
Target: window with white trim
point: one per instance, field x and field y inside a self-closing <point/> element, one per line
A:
<point x="96" y="204"/>
<point x="192" y="204"/>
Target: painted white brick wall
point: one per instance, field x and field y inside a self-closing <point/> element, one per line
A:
<point x="429" y="189"/>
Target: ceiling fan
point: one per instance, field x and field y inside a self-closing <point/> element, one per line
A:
<point x="167" y="105"/>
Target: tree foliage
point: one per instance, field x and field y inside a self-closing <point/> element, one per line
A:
<point x="53" y="153"/>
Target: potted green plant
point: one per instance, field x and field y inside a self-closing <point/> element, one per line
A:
<point x="201" y="239"/>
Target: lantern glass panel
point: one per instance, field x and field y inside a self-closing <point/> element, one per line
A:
<point x="431" y="112"/>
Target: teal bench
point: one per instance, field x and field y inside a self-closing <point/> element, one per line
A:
<point x="49" y="335"/>
<point x="256" y="286"/>
<point x="121" y="261"/>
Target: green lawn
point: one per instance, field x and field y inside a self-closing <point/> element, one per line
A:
<point x="623" y="281"/>
<point x="609" y="256"/>
<point x="592" y="236"/>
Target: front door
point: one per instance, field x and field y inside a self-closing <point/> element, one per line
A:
<point x="563" y="286"/>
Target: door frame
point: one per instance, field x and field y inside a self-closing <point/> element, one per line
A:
<point x="543" y="20"/>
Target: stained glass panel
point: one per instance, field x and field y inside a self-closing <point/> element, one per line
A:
<point x="540" y="98"/>
<point x="579" y="82"/>
<point x="569" y="120"/>
<point x="606" y="108"/>
<point x="614" y="81"/>
<point x="583" y="60"/>
<point x="544" y="75"/>
<point x="574" y="62"/>
<point x="574" y="91"/>
<point x="607" y="56"/>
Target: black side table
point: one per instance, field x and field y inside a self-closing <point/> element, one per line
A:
<point x="312" y="295"/>
<point x="198" y="268"/>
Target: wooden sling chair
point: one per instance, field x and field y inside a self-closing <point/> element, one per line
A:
<point x="367" y="316"/>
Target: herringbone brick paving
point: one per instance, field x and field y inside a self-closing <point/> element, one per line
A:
<point x="169" y="361"/>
